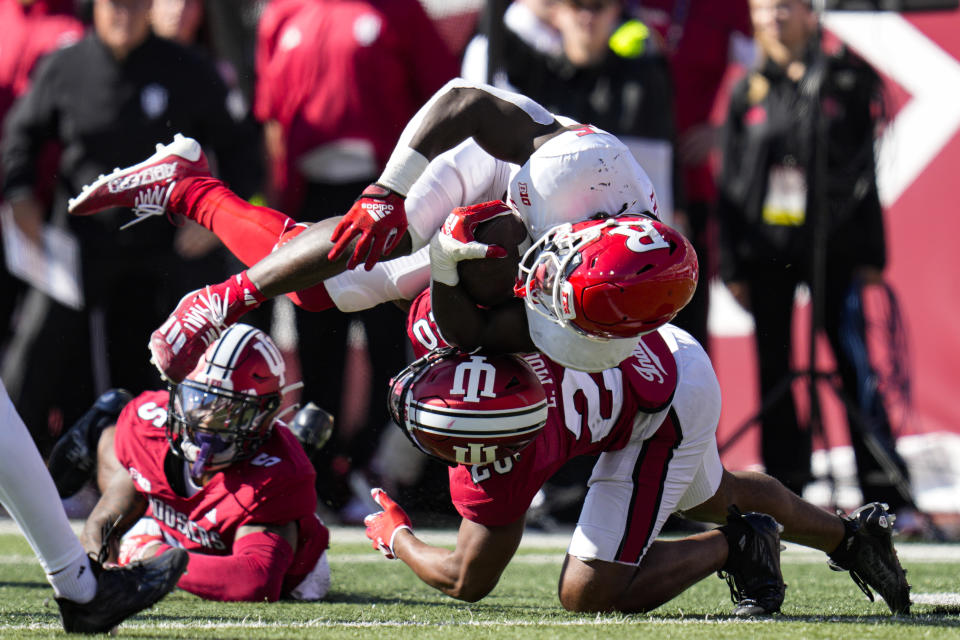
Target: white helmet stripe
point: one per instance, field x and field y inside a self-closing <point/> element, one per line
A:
<point x="431" y="420"/>
<point x="493" y="413"/>
<point x="227" y="350"/>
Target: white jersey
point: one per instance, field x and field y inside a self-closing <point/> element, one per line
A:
<point x="570" y="178"/>
<point x="459" y="177"/>
<point x="634" y="490"/>
<point x="573" y="176"/>
<point x="576" y="175"/>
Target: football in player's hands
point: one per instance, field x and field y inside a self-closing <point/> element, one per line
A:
<point x="489" y="281"/>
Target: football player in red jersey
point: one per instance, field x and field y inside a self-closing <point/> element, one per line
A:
<point x="207" y="469"/>
<point x="652" y="420"/>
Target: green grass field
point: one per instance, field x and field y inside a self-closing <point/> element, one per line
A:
<point x="376" y="598"/>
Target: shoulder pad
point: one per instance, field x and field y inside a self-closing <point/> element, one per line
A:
<point x="652" y="373"/>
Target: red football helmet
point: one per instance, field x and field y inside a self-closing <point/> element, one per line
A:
<point x="224" y="410"/>
<point x="468" y="409"/>
<point x="609" y="278"/>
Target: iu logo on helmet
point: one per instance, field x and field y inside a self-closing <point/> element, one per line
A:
<point x="475" y="453"/>
<point x="474" y="372"/>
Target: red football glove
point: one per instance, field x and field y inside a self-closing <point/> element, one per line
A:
<point x="382" y="526"/>
<point x="455" y="242"/>
<point x="199" y="319"/>
<point x="140" y="547"/>
<point x="380" y="220"/>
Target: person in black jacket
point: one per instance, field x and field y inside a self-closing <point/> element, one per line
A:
<point x="105" y="101"/>
<point x="611" y="72"/>
<point x="768" y="205"/>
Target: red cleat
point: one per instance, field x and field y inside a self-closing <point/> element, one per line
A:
<point x="144" y="187"/>
<point x="199" y="319"/>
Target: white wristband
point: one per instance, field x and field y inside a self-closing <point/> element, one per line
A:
<point x="393" y="536"/>
<point x="405" y="165"/>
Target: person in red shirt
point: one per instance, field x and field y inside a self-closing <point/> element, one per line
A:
<point x="29" y="30"/>
<point x="209" y="470"/>
<point x="337" y="81"/>
<point x="652" y="421"/>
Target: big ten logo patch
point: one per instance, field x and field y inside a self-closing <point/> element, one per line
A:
<point x="524" y="192"/>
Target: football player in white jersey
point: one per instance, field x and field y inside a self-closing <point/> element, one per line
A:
<point x="475" y="143"/>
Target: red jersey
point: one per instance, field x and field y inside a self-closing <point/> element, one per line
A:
<point x="421" y="328"/>
<point x="26" y="34"/>
<point x="588" y="413"/>
<point x="330" y="70"/>
<point x="275" y="486"/>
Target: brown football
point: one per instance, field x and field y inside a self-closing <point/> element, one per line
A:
<point x="489" y="281"/>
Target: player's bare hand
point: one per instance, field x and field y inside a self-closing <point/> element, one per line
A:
<point x="740" y="292"/>
<point x="28" y="216"/>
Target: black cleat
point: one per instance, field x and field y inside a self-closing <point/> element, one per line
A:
<point x="73" y="460"/>
<point x="752" y="570"/>
<point x="123" y="592"/>
<point x="867" y="553"/>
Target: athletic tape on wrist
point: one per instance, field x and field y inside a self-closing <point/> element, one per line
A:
<point x="403" y="168"/>
<point x="393" y="536"/>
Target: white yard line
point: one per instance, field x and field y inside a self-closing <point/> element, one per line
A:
<point x="794" y="554"/>
<point x="331" y="624"/>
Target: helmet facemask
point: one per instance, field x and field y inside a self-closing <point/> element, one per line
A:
<point x="212" y="428"/>
<point x="399" y="397"/>
<point x="544" y="269"/>
<point x="225" y="409"/>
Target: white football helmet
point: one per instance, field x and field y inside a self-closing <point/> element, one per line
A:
<point x="576" y="175"/>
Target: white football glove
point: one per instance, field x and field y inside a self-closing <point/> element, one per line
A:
<point x="454" y="242"/>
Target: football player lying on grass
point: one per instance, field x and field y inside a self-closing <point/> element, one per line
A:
<point x="206" y="466"/>
<point x="506" y="424"/>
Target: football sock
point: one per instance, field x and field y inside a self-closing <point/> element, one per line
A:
<point x="250" y="232"/>
<point x="28" y="494"/>
<point x="76" y="581"/>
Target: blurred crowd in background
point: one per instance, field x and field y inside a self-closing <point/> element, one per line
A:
<point x="298" y="104"/>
